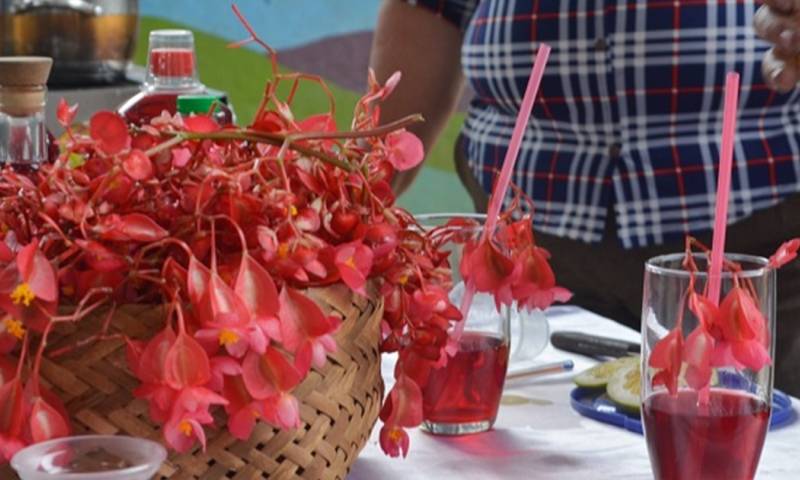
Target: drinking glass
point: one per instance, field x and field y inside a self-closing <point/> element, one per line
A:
<point x="718" y="431"/>
<point x="463" y="397"/>
<point x="90" y="457"/>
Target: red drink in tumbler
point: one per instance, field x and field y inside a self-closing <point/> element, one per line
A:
<point x="720" y="441"/>
<point x="469" y="388"/>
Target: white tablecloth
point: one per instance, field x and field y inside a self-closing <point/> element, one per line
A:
<point x="539" y="436"/>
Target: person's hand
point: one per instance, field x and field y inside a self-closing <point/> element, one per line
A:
<point x="778" y="22"/>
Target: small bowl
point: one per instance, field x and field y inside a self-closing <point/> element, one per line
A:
<point x="72" y="458"/>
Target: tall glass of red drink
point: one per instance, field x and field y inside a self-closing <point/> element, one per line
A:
<point x="707" y="370"/>
<point x="463" y="396"/>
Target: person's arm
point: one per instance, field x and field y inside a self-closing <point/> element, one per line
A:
<point x="778" y="22"/>
<point x="426" y="49"/>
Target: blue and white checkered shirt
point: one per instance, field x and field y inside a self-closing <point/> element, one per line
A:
<point x="629" y="113"/>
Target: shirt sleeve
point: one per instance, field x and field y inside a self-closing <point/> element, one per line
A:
<point x="457" y="12"/>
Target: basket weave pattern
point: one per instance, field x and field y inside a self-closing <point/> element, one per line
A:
<point x="339" y="403"/>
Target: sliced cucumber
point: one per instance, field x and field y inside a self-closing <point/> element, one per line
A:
<point x="598" y="376"/>
<point x="624" y="386"/>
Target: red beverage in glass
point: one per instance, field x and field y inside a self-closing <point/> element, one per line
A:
<point x="720" y="441"/>
<point x="468" y="389"/>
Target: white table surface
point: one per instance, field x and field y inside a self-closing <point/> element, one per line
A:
<point x="541" y="437"/>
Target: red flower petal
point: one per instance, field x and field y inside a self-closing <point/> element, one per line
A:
<point x="200" y="124"/>
<point x="487" y="268"/>
<point x="186" y="363"/>
<point x="269" y="374"/>
<point x="242" y="421"/>
<point x="697" y="353"/>
<point x="197" y="281"/>
<point x="706" y="312"/>
<point x="282" y="411"/>
<point x="751" y="354"/>
<point x="177" y="438"/>
<point x="12" y="406"/>
<point x="110" y="132"/>
<point x="354" y="262"/>
<point x="65" y="113"/>
<point x="268" y="121"/>
<point x="181" y="157"/>
<point x="739" y="317"/>
<point x="226" y="306"/>
<point x="785" y="254"/>
<point x="134" y="227"/>
<point x="301" y="319"/>
<point x="405" y="150"/>
<point x="394" y="440"/>
<point x="138" y="165"/>
<point x="153" y="358"/>
<point x="404" y="405"/>
<point x="255" y="288"/>
<point x="100" y="258"/>
<point x="45" y="422"/>
<point x="37" y="272"/>
<point x="666" y="355"/>
<point x="323" y="122"/>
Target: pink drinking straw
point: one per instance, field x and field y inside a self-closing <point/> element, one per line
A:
<point x="504" y="180"/>
<point x="723" y="186"/>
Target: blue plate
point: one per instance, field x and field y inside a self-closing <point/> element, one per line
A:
<point x="594" y="403"/>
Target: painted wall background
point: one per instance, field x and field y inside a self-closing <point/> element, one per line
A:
<point x="330" y="38"/>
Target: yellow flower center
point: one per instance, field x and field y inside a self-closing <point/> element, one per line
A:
<point x="396" y="435"/>
<point x="283" y="250"/>
<point x="351" y="262"/>
<point x="292" y="210"/>
<point x="14" y="327"/>
<point x="227" y="337"/>
<point x="185" y="427"/>
<point x="23" y="294"/>
<point x="255" y="413"/>
<point x="403" y="279"/>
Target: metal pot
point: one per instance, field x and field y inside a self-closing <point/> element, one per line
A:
<point x="90" y="41"/>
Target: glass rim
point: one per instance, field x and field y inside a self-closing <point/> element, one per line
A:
<point x="429" y="221"/>
<point x="758" y="268"/>
<point x="443" y="215"/>
<point x="17" y="462"/>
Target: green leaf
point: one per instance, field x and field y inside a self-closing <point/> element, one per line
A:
<point x="76" y="160"/>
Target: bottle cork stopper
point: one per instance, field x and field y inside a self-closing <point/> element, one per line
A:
<point x="22" y="84"/>
<point x="24" y="71"/>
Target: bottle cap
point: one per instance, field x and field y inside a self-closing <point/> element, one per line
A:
<point x="23" y="83"/>
<point x="24" y="71"/>
<point x="171" y="61"/>
<point x="188" y="104"/>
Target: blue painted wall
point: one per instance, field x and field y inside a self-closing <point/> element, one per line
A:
<point x="281" y="23"/>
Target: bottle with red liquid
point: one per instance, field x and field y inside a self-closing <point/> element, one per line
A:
<point x="171" y="72"/>
<point x="25" y="143"/>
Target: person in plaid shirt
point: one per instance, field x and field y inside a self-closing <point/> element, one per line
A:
<point x="621" y="150"/>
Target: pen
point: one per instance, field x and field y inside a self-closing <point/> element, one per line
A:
<point x="545" y="368"/>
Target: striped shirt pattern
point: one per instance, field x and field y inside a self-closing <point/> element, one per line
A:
<point x="629" y="112"/>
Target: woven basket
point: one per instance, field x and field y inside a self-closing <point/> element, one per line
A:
<point x="339" y="403"/>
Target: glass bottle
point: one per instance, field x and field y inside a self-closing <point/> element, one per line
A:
<point x="171" y="72"/>
<point x="203" y="105"/>
<point x="24" y="139"/>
